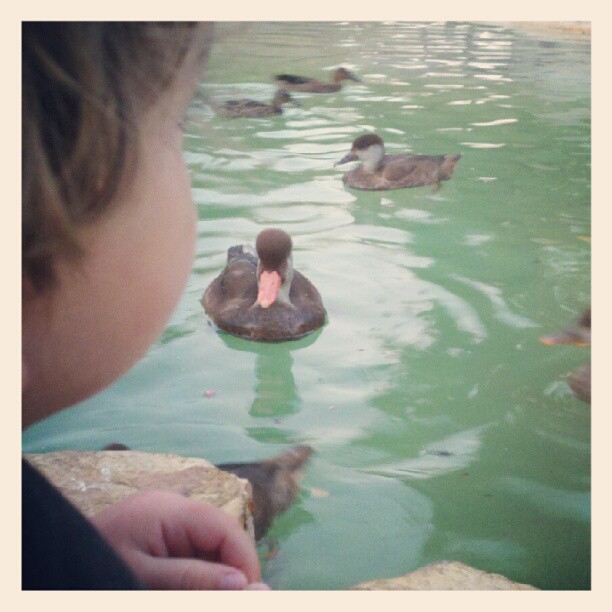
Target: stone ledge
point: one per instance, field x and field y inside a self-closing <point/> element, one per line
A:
<point x="92" y="480"/>
<point x="445" y="576"/>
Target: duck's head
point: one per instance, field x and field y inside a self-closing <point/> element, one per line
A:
<point x="578" y="334"/>
<point x="275" y="268"/>
<point x="342" y="74"/>
<point x="282" y="97"/>
<point x="368" y="148"/>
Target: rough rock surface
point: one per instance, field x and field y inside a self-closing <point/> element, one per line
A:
<point x="445" y="576"/>
<point x="92" y="480"/>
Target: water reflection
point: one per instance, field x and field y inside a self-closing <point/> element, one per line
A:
<point x="276" y="394"/>
<point x="275" y="390"/>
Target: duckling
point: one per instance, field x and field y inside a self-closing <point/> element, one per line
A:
<point x="275" y="482"/>
<point x="379" y="171"/>
<point x="299" y="83"/>
<point x="579" y="334"/>
<point x="259" y="296"/>
<point x="252" y="108"/>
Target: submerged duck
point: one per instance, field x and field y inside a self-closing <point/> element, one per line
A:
<point x="578" y="334"/>
<point x="379" y="171"/>
<point x="275" y="482"/>
<point x="299" y="83"/>
<point x="252" y="108"/>
<point x="259" y="296"/>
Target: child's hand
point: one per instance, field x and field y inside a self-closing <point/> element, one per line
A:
<point x="172" y="542"/>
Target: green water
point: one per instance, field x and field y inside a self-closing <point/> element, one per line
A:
<point x="443" y="429"/>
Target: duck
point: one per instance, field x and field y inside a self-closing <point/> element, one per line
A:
<point x="578" y="334"/>
<point x="379" y="171"/>
<point x="251" y="108"/>
<point x="259" y="296"/>
<point x="275" y="482"/>
<point x="293" y="82"/>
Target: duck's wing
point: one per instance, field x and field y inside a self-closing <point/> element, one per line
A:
<point x="416" y="170"/>
<point x="306" y="299"/>
<point x="234" y="290"/>
<point x="245" y="104"/>
<point x="292" y="79"/>
<point x="304" y="294"/>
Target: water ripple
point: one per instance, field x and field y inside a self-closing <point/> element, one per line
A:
<point x="503" y="312"/>
<point x="455" y="452"/>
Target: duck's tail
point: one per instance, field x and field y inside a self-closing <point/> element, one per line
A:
<point x="242" y="251"/>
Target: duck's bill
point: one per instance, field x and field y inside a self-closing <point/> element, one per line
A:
<point x="349" y="157"/>
<point x="295" y="102"/>
<point x="269" y="286"/>
<point x="354" y="78"/>
<point x="567" y="336"/>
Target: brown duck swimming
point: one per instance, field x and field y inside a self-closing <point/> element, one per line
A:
<point x="578" y="334"/>
<point x="293" y="82"/>
<point x="259" y="296"/>
<point x="275" y="482"/>
<point x="379" y="171"/>
<point x="252" y="108"/>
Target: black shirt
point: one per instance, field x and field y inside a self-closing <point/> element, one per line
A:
<point x="60" y="548"/>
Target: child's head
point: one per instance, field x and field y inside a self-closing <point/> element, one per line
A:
<point x="108" y="222"/>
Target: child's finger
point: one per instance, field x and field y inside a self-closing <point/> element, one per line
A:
<point x="189" y="575"/>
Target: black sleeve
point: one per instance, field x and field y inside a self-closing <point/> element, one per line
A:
<point x="60" y="548"/>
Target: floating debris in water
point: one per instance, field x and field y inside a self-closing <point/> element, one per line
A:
<point x="209" y="394"/>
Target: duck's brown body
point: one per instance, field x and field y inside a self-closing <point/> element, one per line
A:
<point x="247" y="108"/>
<point x="231" y="302"/>
<point x="579" y="381"/>
<point x="253" y="108"/>
<point x="401" y="171"/>
<point x="291" y="82"/>
<point x="275" y="483"/>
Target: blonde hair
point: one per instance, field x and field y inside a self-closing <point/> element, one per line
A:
<point x="84" y="86"/>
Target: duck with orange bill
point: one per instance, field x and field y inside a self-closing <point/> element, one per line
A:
<point x="578" y="334"/>
<point x="259" y="296"/>
<point x="380" y="171"/>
